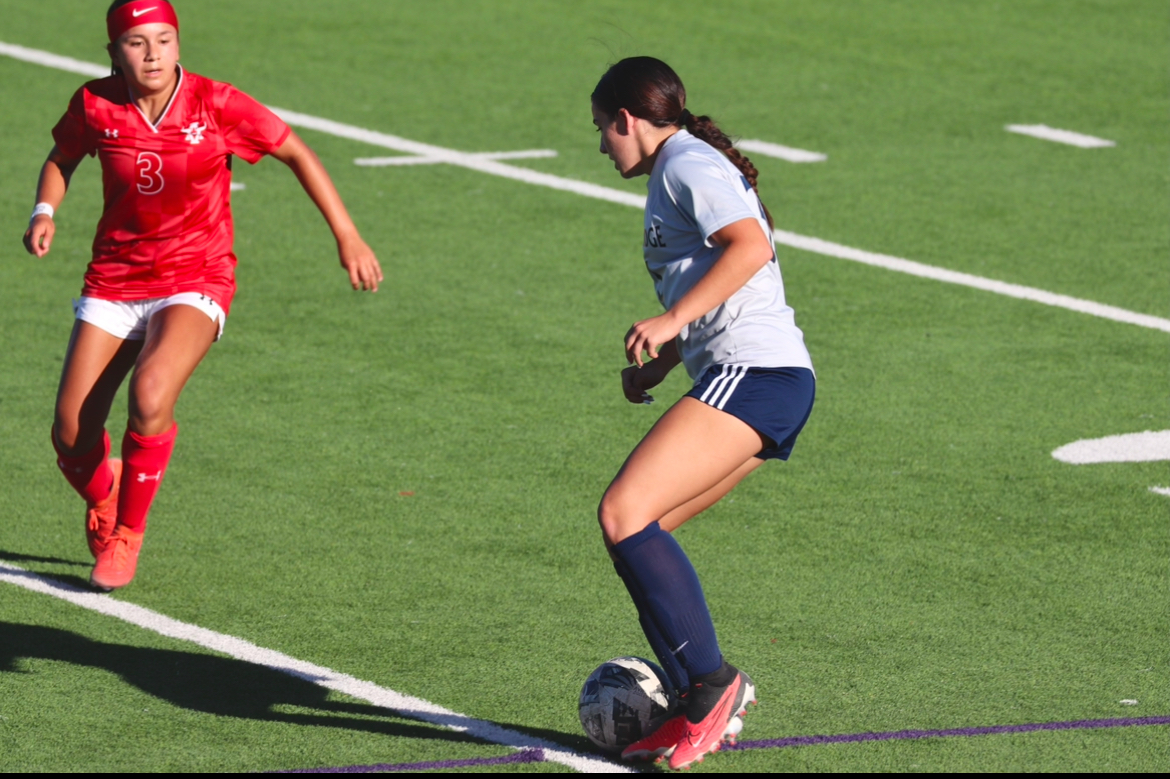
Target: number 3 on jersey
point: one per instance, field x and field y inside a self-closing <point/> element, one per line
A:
<point x="150" y="179"/>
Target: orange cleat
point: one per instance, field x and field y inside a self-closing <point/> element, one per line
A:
<point x="703" y="738"/>
<point x="101" y="518"/>
<point x="117" y="563"/>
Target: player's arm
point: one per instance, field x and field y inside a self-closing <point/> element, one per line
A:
<point x="637" y="381"/>
<point x="745" y="250"/>
<point x="51" y="188"/>
<point x="356" y="257"/>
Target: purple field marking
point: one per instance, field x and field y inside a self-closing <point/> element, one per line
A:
<point x="851" y="738"/>
<point x="525" y="756"/>
<point x="537" y="756"/>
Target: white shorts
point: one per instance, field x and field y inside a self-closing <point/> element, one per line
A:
<point x="126" y="319"/>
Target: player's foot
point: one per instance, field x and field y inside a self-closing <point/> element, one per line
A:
<point x="718" y="708"/>
<point x="101" y="518"/>
<point x="661" y="743"/>
<point x="116" y="564"/>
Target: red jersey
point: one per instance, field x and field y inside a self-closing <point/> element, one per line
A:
<point x="167" y="224"/>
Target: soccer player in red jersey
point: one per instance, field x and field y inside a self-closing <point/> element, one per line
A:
<point x="160" y="284"/>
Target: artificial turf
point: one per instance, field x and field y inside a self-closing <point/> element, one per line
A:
<point x="401" y="486"/>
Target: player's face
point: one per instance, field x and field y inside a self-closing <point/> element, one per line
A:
<point x="619" y="143"/>
<point x="148" y="55"/>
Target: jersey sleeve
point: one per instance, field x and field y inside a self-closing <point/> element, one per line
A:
<point x="70" y="132"/>
<point x="706" y="194"/>
<point x="250" y="129"/>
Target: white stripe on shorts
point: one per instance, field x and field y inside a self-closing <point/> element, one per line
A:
<point x="711" y="387"/>
<point x="741" y="371"/>
<point x="719" y="391"/>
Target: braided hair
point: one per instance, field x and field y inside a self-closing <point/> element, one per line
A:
<point x="649" y="89"/>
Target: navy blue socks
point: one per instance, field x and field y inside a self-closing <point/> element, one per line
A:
<point x="674" y="670"/>
<point x="666" y="590"/>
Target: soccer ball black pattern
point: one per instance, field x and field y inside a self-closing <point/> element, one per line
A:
<point x="623" y="701"/>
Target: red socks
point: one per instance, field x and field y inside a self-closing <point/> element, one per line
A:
<point x="90" y="474"/>
<point x="144" y="461"/>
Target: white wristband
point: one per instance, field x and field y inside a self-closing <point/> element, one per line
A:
<point x="42" y="208"/>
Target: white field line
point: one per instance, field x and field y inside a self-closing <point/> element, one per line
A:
<point x="786" y="153"/>
<point x="1144" y="447"/>
<point x="531" y="154"/>
<point x="1161" y="490"/>
<point x="805" y="243"/>
<point x="1046" y="133"/>
<point x="238" y="186"/>
<point x="415" y="708"/>
<point x="968" y="280"/>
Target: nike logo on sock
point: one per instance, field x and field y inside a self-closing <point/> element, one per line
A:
<point x="680" y="647"/>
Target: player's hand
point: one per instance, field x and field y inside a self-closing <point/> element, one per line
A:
<point x="39" y="235"/>
<point x="360" y="263"/>
<point x="636" y="381"/>
<point x="649" y="334"/>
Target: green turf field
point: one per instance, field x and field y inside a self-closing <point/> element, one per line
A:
<point x="401" y="486"/>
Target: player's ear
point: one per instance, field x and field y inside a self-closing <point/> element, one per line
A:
<point x="624" y="121"/>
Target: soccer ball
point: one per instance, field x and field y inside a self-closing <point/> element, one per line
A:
<point x="623" y="701"/>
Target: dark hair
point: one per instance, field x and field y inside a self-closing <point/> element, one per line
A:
<point x="649" y="89"/>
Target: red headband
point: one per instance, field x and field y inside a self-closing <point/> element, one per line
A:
<point x="140" y="12"/>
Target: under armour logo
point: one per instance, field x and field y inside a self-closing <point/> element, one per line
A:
<point x="111" y="133"/>
<point x="143" y="478"/>
<point x="194" y="132"/>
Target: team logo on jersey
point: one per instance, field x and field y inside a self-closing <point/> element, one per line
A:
<point x="194" y="132"/>
<point x="111" y="133"/>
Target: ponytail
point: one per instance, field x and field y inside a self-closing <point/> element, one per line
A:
<point x="705" y="129"/>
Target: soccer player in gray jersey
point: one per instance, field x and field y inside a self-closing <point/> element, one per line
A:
<point x="707" y="243"/>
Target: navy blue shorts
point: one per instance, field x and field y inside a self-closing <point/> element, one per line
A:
<point x="775" y="402"/>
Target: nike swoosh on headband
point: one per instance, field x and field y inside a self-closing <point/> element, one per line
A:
<point x="136" y="14"/>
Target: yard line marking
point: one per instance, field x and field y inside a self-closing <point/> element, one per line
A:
<point x="531" y="154"/>
<point x="1046" y="133"/>
<point x="50" y="60"/>
<point x="781" y="152"/>
<point x="1145" y="447"/>
<point x="407" y="705"/>
<point x="805" y="243"/>
<point x="968" y="280"/>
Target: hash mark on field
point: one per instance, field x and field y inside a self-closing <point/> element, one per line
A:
<point x="1150" y="446"/>
<point x="786" y="153"/>
<point x="497" y="168"/>
<point x="531" y="154"/>
<point x="1046" y="133"/>
<point x="409" y="706"/>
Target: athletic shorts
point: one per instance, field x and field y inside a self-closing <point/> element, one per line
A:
<point x="126" y="319"/>
<point x="775" y="402"/>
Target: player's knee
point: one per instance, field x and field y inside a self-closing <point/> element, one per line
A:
<point x="150" y="401"/>
<point x="66" y="433"/>
<point x="613" y="519"/>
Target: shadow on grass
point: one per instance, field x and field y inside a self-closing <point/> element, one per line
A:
<point x="211" y="684"/>
<point x="17" y="557"/>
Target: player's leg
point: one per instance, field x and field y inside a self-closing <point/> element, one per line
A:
<point x="96" y="362"/>
<point x="676" y="517"/>
<point x="177" y="339"/>
<point x="694" y="452"/>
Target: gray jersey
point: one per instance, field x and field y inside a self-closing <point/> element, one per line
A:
<point x="695" y="191"/>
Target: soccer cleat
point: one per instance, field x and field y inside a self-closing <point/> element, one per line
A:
<point x="116" y="564"/>
<point x="101" y="518"/>
<point x="661" y="743"/>
<point x="702" y="738"/>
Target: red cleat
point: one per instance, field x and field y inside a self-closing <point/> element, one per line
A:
<point x="102" y="518"/>
<point x="703" y="738"/>
<point x="117" y="563"/>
